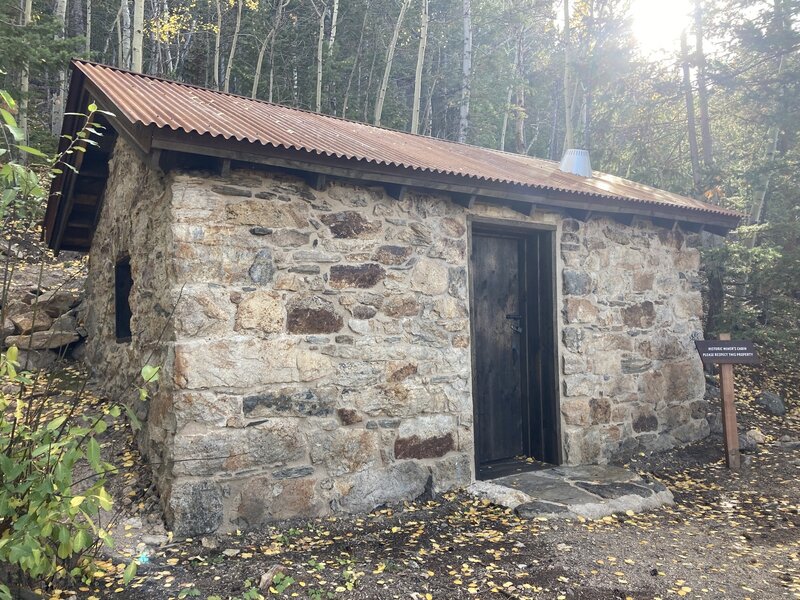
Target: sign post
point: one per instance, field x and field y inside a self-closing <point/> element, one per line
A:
<point x="727" y="353"/>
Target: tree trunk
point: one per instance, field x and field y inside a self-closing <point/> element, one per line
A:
<point x="568" y="134"/>
<point x="320" y="45"/>
<point x="423" y="41"/>
<point x="156" y="54"/>
<point x="334" y="18"/>
<point x="509" y="94"/>
<point x="76" y="25"/>
<point x="217" y="41"/>
<point x="114" y="28"/>
<point x="552" y="144"/>
<point x="226" y="83"/>
<point x="356" y="62"/>
<point x="365" y="118"/>
<point x="389" y="59"/>
<point x="25" y="82"/>
<point x="183" y="49"/>
<point x="761" y="189"/>
<point x="519" y="123"/>
<point x="60" y="83"/>
<point x="702" y="89"/>
<point x="137" y="44"/>
<point x="125" y="31"/>
<point x="171" y="66"/>
<point x="466" y="73"/>
<point x="690" y="119"/>
<point x="269" y="40"/>
<point x="87" y="52"/>
<point x="282" y="4"/>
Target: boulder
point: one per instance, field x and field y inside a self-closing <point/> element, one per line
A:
<point x="31" y="321"/>
<point x="747" y="443"/>
<point x="36" y="360"/>
<point x="57" y="302"/>
<point x="66" y="322"/>
<point x="194" y="507"/>
<point x="7" y="329"/>
<point x="43" y="340"/>
<point x="372" y="488"/>
<point x="771" y="403"/>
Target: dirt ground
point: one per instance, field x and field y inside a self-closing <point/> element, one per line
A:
<point x="727" y="536"/>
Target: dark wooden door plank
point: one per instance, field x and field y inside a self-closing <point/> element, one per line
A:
<point x="496" y="289"/>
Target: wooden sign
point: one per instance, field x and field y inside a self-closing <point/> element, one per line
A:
<point x="727" y="352"/>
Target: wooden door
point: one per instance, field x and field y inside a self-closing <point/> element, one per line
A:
<point x="497" y="281"/>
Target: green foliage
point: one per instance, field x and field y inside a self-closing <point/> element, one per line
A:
<point x="47" y="527"/>
<point x="50" y="523"/>
<point x="280" y="582"/>
<point x="762" y="287"/>
<point x="21" y="193"/>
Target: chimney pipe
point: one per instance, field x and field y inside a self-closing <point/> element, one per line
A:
<point x="576" y="162"/>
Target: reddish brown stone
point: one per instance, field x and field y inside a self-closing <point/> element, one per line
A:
<point x="414" y="447"/>
<point x="312" y="315"/>
<point x="349" y="224"/>
<point x="640" y="315"/>
<point x="402" y="373"/>
<point x="392" y="255"/>
<point x="348" y="416"/>
<point x="356" y="276"/>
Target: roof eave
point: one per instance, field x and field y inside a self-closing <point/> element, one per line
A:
<point x="257" y="153"/>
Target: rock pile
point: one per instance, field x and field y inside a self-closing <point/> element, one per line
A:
<point x="42" y="324"/>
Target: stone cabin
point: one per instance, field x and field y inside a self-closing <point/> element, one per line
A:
<point x="348" y="316"/>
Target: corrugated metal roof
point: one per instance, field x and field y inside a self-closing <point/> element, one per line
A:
<point x="151" y="101"/>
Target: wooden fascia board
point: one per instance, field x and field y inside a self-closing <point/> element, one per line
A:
<point x="180" y="141"/>
<point x="75" y="96"/>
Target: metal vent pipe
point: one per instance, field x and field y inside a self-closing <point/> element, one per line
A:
<point x="576" y="162"/>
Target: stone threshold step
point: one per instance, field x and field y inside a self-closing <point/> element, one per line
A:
<point x="589" y="491"/>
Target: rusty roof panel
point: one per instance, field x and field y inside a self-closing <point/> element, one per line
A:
<point x="159" y="103"/>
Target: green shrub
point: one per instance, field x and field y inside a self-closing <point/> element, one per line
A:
<point x="48" y="522"/>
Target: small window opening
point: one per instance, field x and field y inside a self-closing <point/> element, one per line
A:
<point x="123" y="282"/>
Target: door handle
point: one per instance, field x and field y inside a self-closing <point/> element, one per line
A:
<point x="515" y="327"/>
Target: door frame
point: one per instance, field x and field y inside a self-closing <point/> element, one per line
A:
<point x="503" y="227"/>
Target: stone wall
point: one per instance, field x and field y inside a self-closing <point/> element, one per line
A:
<point x="321" y="357"/>
<point x="135" y="222"/>
<point x="631" y="310"/>
<point x="319" y="353"/>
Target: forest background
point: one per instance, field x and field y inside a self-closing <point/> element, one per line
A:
<point x="717" y="117"/>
